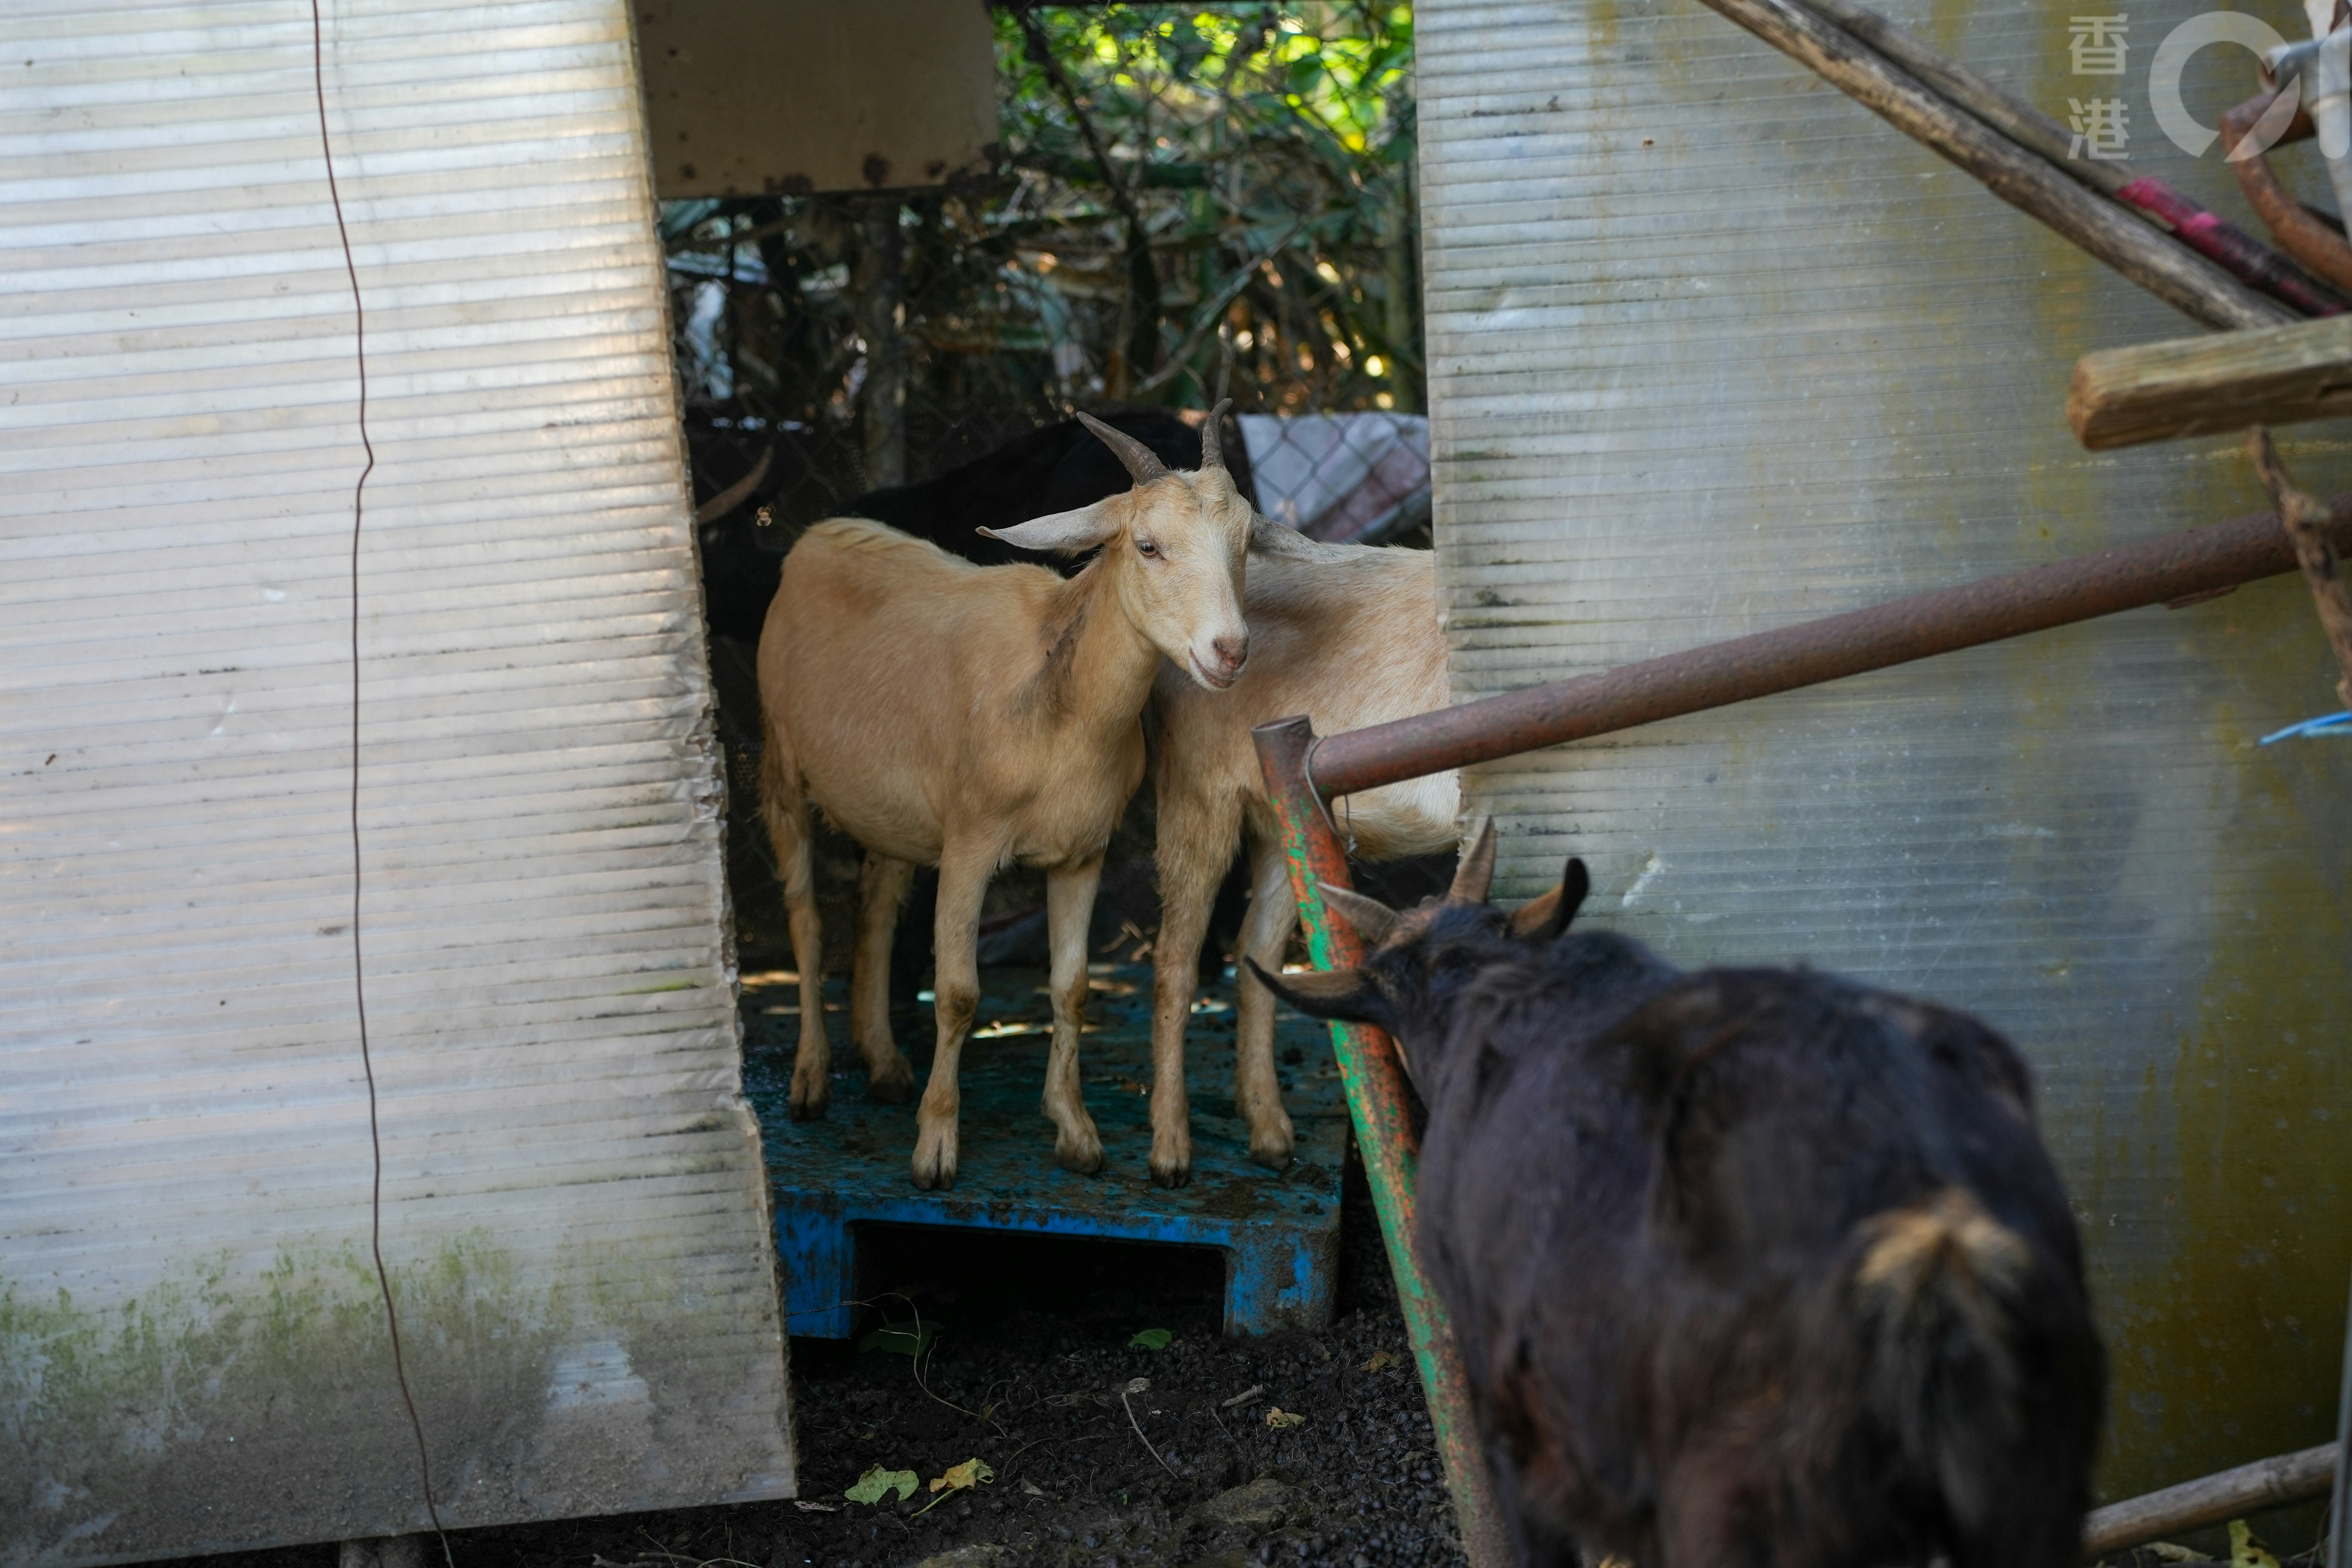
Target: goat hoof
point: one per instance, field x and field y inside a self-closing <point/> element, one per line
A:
<point x="934" y="1162"/>
<point x="1274" y="1155"/>
<point x="1171" y="1159"/>
<point x="808" y="1104"/>
<point x="894" y="1085"/>
<point x="1086" y="1159"/>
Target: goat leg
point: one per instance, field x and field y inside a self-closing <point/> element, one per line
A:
<point x="813" y="1062"/>
<point x="955" y="988"/>
<point x="1069" y="910"/>
<point x="1273" y="916"/>
<point x="882" y="885"/>
<point x="1195" y="840"/>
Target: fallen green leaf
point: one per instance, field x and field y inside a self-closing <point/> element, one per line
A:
<point x="960" y="1477"/>
<point x="1282" y="1420"/>
<point x="2245" y="1552"/>
<point x="911" y="1340"/>
<point x="878" y="1482"/>
<point x="1151" y="1339"/>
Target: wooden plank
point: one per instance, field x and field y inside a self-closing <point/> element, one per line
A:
<point x="2112" y="233"/>
<point x="2199" y="387"/>
<point x="2192" y="1505"/>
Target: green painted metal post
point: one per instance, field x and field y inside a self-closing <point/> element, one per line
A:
<point x="1374" y="1079"/>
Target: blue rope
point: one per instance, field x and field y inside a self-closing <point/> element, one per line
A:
<point x="2325" y="724"/>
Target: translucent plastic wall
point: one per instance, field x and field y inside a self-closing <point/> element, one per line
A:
<point x="1713" y="350"/>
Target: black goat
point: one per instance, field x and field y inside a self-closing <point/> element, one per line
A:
<point x="1749" y="1268"/>
<point x="1057" y="468"/>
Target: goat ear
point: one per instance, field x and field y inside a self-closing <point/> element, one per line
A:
<point x="1081" y="530"/>
<point x="1268" y="537"/>
<point x="1546" y="917"/>
<point x="1342" y="994"/>
<point x="1477" y="869"/>
<point x="1373" y="920"/>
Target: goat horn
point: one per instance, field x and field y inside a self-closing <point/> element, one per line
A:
<point x="1213" y="446"/>
<point x="1141" y="461"/>
<point x="1477" y="872"/>
<point x="736" y="494"/>
<point x="1373" y="920"/>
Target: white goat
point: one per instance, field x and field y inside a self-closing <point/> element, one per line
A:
<point x="1348" y="636"/>
<point x="978" y="716"/>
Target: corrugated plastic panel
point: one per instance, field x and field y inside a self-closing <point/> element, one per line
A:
<point x="193" y="1352"/>
<point x="1715" y="350"/>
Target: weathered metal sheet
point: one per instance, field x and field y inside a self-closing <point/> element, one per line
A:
<point x="768" y="97"/>
<point x="1714" y="351"/>
<point x="192" y="1353"/>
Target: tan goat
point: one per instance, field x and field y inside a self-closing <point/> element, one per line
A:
<point x="1347" y="635"/>
<point x="975" y="717"/>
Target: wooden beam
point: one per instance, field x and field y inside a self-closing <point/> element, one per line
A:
<point x="2112" y="233"/>
<point x="2199" y="387"/>
<point x="2249" y="1488"/>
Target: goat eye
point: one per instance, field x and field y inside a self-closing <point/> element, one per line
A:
<point x="1146" y="547"/>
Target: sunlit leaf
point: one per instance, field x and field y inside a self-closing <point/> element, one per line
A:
<point x="878" y="1482"/>
<point x="2245" y="1552"/>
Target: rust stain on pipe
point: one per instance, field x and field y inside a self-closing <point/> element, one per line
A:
<point x="2200" y="561"/>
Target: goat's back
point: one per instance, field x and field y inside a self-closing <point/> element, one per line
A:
<point x="1770" y="1257"/>
<point x="905" y="685"/>
<point x="1347" y="635"/>
<point x="861" y="603"/>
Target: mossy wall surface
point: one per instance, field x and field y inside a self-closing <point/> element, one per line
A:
<point x="223" y="1407"/>
<point x="1713" y="350"/>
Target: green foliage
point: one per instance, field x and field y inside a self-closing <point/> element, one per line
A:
<point x="1151" y="1339"/>
<point x="877" y="1483"/>
<point x="1189" y="202"/>
<point x="1265" y="152"/>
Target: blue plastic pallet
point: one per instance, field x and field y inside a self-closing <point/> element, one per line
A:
<point x="1279" y="1232"/>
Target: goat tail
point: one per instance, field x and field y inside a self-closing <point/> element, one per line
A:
<point x="1939" y="1287"/>
<point x="785" y="811"/>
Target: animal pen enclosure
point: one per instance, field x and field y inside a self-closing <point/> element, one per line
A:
<point x="225" y="699"/>
<point x="1711" y="351"/>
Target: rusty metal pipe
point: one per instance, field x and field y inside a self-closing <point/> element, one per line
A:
<point x="1374" y="1079"/>
<point x="2160" y="571"/>
<point x="2300" y="234"/>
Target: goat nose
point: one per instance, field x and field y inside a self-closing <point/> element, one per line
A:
<point x="1232" y="653"/>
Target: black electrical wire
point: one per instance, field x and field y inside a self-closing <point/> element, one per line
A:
<point x="359" y="965"/>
